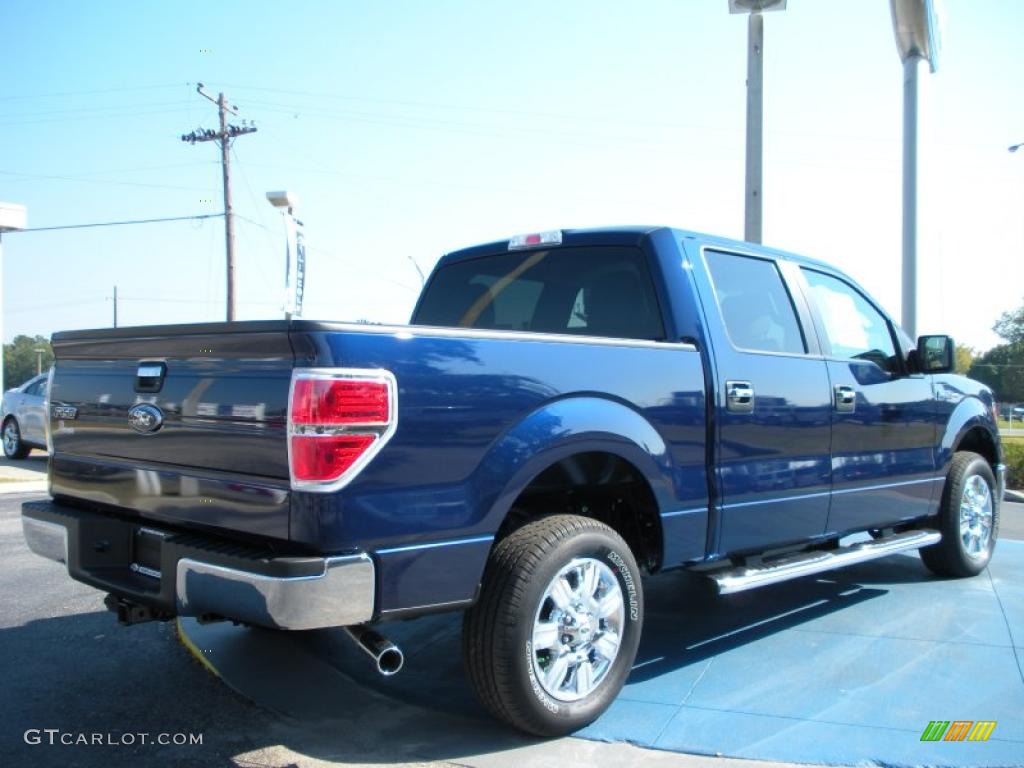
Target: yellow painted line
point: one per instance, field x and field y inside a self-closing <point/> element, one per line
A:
<point x="185" y="640"/>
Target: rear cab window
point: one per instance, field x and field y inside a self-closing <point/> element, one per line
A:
<point x="756" y="307"/>
<point x="588" y="291"/>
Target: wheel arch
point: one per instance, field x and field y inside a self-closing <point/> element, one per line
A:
<point x="577" y="444"/>
<point x="969" y="428"/>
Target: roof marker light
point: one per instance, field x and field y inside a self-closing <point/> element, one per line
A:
<point x="535" y="240"/>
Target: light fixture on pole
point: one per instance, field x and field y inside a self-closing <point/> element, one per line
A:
<point x="753" y="195"/>
<point x="916" y="25"/>
<point x="1015" y="147"/>
<point x="295" y="252"/>
<point x="13" y="217"/>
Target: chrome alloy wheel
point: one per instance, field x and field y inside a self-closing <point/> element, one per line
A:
<point x="577" y="629"/>
<point x="976" y="516"/>
<point x="10" y="437"/>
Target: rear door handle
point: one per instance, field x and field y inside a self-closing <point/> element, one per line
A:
<point x="845" y="399"/>
<point x="739" y="396"/>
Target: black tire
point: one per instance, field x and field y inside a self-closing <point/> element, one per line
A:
<point x="497" y="633"/>
<point x="14" y="446"/>
<point x="951" y="556"/>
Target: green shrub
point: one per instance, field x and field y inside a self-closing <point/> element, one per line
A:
<point x="1013" y="455"/>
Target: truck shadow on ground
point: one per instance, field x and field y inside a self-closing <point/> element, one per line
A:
<point x="685" y="624"/>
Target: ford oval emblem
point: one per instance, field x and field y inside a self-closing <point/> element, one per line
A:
<point x="145" y="418"/>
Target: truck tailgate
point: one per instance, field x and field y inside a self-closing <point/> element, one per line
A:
<point x="210" y="446"/>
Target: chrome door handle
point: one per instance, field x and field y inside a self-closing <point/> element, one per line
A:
<point x="739" y="396"/>
<point x="845" y="399"/>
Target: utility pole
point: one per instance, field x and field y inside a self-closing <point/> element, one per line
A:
<point x="223" y="138"/>
<point x="115" y="306"/>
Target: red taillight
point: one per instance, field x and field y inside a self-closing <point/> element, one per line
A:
<point x="340" y="401"/>
<point x="338" y="419"/>
<point x="326" y="458"/>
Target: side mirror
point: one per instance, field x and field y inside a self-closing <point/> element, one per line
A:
<point x="935" y="354"/>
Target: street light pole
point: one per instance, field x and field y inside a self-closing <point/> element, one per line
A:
<point x="755" y="129"/>
<point x="916" y="25"/>
<point x="909" y="290"/>
<point x="753" y="197"/>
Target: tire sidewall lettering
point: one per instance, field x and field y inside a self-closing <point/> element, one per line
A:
<point x="628" y="582"/>
<point x="546" y="701"/>
<point x="626" y="575"/>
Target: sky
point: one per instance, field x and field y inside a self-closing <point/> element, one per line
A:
<point x="410" y="129"/>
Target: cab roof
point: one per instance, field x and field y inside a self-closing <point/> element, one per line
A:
<point x="632" y="235"/>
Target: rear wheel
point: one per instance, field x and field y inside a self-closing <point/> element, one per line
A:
<point x="14" y="446"/>
<point x="968" y="519"/>
<point x="550" y="642"/>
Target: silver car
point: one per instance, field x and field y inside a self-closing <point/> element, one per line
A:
<point x="24" y="413"/>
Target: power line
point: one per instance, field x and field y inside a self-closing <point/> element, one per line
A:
<point x="257" y="208"/>
<point x="119" y="223"/>
<point x="93" y="92"/>
<point x="127" y="115"/>
<point x="84" y="180"/>
<point x="119" y="108"/>
<point x="88" y="174"/>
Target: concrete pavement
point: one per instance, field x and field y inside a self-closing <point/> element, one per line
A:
<point x="23" y="475"/>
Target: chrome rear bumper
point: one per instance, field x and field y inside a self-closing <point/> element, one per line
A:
<point x="341" y="595"/>
<point x="188" y="577"/>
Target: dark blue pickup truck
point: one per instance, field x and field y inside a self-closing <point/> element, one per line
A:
<point x="567" y="412"/>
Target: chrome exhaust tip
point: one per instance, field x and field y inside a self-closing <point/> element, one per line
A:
<point x="387" y="657"/>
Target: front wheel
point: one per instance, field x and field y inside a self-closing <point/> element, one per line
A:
<point x="968" y="519"/>
<point x="550" y="642"/>
<point x="14" y="446"/>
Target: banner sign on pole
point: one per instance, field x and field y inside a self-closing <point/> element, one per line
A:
<point x="295" y="266"/>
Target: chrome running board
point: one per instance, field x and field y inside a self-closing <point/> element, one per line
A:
<point x="806" y="563"/>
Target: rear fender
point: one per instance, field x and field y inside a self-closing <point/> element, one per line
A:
<point x="561" y="429"/>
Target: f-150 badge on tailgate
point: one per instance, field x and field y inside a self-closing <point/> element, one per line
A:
<point x="145" y="418"/>
<point x="65" y="412"/>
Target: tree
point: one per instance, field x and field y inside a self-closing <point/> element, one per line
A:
<point x="21" y="359"/>
<point x="1002" y="368"/>
<point x="963" y="358"/>
<point x="1010" y="326"/>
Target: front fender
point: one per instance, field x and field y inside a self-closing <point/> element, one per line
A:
<point x="563" y="428"/>
<point x="970" y="413"/>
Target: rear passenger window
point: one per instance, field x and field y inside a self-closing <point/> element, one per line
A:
<point x="595" y="291"/>
<point x="756" y="308"/>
